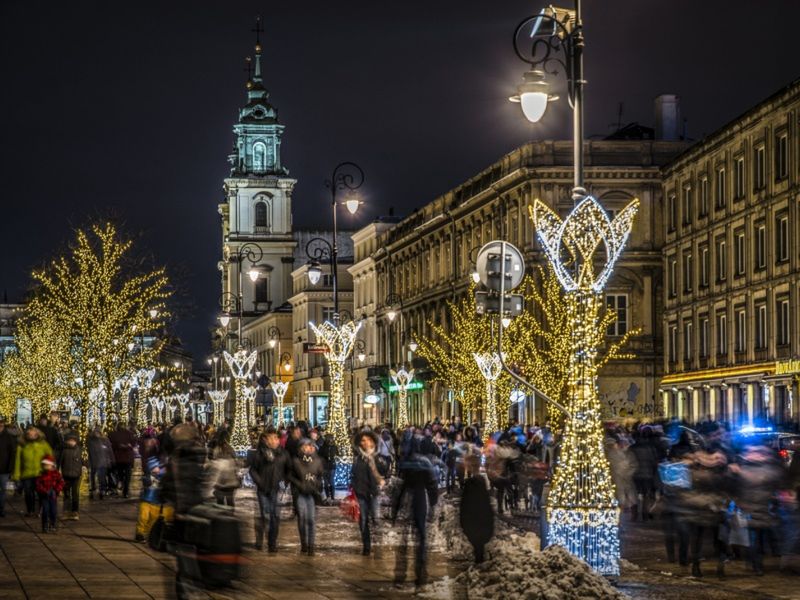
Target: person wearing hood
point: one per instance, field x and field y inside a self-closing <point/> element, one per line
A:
<point x="48" y="485"/>
<point x="71" y="464"/>
<point x="306" y="477"/>
<point x="28" y="465"/>
<point x="366" y="480"/>
<point x="268" y="469"/>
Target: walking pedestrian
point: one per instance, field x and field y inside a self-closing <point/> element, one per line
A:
<point x="122" y="442"/>
<point x="306" y="476"/>
<point x="48" y="485"/>
<point x="223" y="474"/>
<point x="328" y="452"/>
<point x="270" y="468"/>
<point x="366" y="481"/>
<point x="8" y="451"/>
<point x="28" y="465"/>
<point x="71" y="464"/>
<point x="100" y="460"/>
<point x="476" y="514"/>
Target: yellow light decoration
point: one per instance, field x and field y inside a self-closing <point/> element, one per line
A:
<point x="241" y="363"/>
<point x="491" y="368"/>
<point x="339" y="340"/>
<point x="402" y="379"/>
<point x="218" y="404"/>
<point x="582" y="512"/>
<point x="279" y="388"/>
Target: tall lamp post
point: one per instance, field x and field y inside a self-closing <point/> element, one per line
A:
<point x="360" y="353"/>
<point x="582" y="512"/>
<point x="339" y="337"/>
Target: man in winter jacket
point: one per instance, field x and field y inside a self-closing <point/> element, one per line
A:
<point x="328" y="452"/>
<point x="101" y="457"/>
<point x="8" y="451"/>
<point x="51" y="435"/>
<point x="366" y="481"/>
<point x="28" y="465"/>
<point x="306" y="476"/>
<point x="71" y="464"/>
<point x="122" y="441"/>
<point x="269" y="467"/>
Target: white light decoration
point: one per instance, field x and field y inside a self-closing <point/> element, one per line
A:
<point x="218" y="403"/>
<point x="250" y="393"/>
<point x="490" y="367"/>
<point x="241" y="363"/>
<point x="339" y="340"/>
<point x="583" y="513"/>
<point x="402" y="379"/>
<point x="279" y="388"/>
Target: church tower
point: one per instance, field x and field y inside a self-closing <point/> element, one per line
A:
<point x="257" y="208"/>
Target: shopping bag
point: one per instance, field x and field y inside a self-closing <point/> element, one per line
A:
<point x="350" y="508"/>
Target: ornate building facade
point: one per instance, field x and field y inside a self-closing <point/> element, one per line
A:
<point x="732" y="270"/>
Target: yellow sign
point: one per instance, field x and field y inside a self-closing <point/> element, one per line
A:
<point x="787" y="367"/>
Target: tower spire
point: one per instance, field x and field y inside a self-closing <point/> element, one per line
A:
<point x="258" y="30"/>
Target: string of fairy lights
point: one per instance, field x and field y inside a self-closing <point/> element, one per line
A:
<point x="402" y="379"/>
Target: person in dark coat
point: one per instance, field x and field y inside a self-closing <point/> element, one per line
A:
<point x="101" y="458"/>
<point x="306" y="476"/>
<point x="644" y="473"/>
<point x="476" y="516"/>
<point x="122" y="442"/>
<point x="366" y="481"/>
<point x="420" y="490"/>
<point x="8" y="452"/>
<point x="71" y="465"/>
<point x="328" y="453"/>
<point x="269" y="467"/>
<point x="51" y="435"/>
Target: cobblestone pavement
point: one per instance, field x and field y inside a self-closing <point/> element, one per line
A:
<point x="97" y="558"/>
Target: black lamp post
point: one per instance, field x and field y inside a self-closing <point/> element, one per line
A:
<point x="230" y="302"/>
<point x="346" y="176"/>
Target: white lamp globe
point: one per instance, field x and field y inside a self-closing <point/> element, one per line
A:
<point x="314" y="273"/>
<point x="533" y="95"/>
<point x="224" y="320"/>
<point x="253" y="274"/>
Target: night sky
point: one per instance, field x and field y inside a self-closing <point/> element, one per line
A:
<point x="125" y="109"/>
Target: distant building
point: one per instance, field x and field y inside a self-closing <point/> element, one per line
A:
<point x="9" y="313"/>
<point x="732" y="270"/>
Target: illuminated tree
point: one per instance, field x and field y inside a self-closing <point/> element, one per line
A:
<point x="82" y="332"/>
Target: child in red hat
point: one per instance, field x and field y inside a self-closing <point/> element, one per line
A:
<point x="49" y="484"/>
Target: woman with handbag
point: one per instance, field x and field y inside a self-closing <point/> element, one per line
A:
<point x="367" y="481"/>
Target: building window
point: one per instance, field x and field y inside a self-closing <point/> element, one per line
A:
<point x="704" y="337"/>
<point x="687" y="205"/>
<point x="781" y="238"/>
<point x="761" y="326"/>
<point x="782" y="310"/>
<point x="672" y="213"/>
<point x="327" y="280"/>
<point x="619" y="304"/>
<point x="722" y="260"/>
<point x="328" y="313"/>
<point x="741" y="328"/>
<point x="672" y="275"/>
<point x="704" y="196"/>
<point x="704" y="266"/>
<point x="687" y="340"/>
<point x="673" y="343"/>
<point x="720" y="198"/>
<point x="261" y="215"/>
<point x="738" y="178"/>
<point x="259" y="156"/>
<point x="759" y="168"/>
<point x="761" y="246"/>
<point x="688" y="269"/>
<point x="740" y="257"/>
<point x="261" y="286"/>
<point x="722" y="334"/>
<point x="781" y="156"/>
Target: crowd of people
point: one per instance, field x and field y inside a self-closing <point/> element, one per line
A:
<point x="717" y="495"/>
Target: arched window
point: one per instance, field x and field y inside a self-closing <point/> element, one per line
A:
<point x="261" y="214"/>
<point x="259" y="156"/>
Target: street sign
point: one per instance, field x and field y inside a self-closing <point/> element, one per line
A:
<point x="489" y="265"/>
<point x="311" y="348"/>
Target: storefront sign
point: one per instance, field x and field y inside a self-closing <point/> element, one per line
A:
<point x="414" y="385"/>
<point x="310" y="348"/>
<point x="787" y="367"/>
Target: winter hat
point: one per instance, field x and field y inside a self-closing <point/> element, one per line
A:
<point x="49" y="461"/>
<point x="306" y="442"/>
<point x="153" y="463"/>
<point x="71" y="436"/>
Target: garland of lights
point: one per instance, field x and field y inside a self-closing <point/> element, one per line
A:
<point x="402" y="379"/>
<point x="279" y="388"/>
<point x="583" y="513"/>
<point x="339" y="340"/>
<point x="491" y="368"/>
<point x="218" y="404"/>
<point x="241" y="363"/>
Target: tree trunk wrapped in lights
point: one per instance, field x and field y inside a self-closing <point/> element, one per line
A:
<point x="402" y="379"/>
<point x="491" y="368"/>
<point x="582" y="511"/>
<point x="279" y="388"/>
<point x="241" y="364"/>
<point x="339" y="340"/>
<point x="218" y="404"/>
<point x="250" y="393"/>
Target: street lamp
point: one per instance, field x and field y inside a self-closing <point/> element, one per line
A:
<point x="346" y="176"/>
<point x="230" y="302"/>
<point x="275" y="341"/>
<point x="412" y="345"/>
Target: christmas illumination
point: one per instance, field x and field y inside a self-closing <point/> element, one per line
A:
<point x="582" y="513"/>
<point x="218" y="404"/>
<point x="279" y="388"/>
<point x="241" y="363"/>
<point x="491" y="368"/>
<point x="402" y="379"/>
<point x="339" y="340"/>
<point x="250" y="393"/>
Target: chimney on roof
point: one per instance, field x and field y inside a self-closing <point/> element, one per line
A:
<point x="668" y="117"/>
